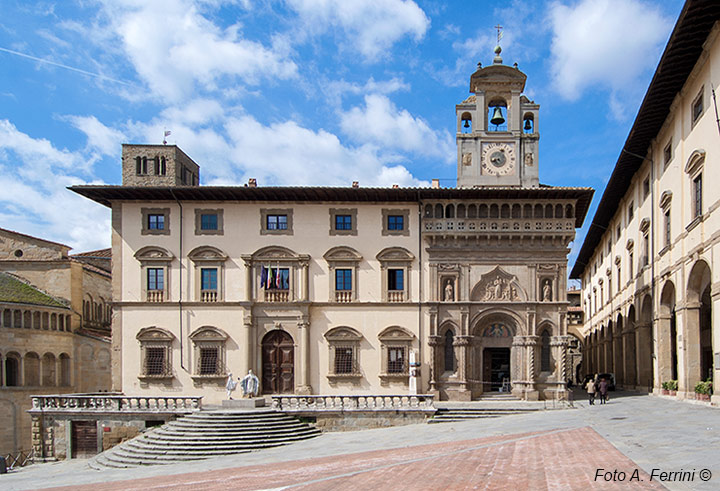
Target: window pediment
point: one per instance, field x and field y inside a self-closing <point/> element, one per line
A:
<point x="208" y="333"/>
<point x="395" y="254"/>
<point x="644" y="224"/>
<point x="347" y="334"/>
<point x="207" y="253"/>
<point x="342" y="253"/>
<point x="277" y="253"/>
<point x="665" y="199"/>
<point x="630" y="244"/>
<point x="154" y="334"/>
<point x="153" y="253"/>
<point x="396" y="333"/>
<point x="695" y="162"/>
<point x="498" y="285"/>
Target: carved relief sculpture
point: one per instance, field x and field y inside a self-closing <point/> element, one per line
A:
<point x="529" y="159"/>
<point x="467" y="159"/>
<point x="500" y="289"/>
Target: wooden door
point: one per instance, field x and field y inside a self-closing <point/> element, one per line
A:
<point x="84" y="439"/>
<point x="278" y="366"/>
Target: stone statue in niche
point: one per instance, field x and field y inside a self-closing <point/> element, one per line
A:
<point x="529" y="159"/>
<point x="449" y="291"/>
<point x="547" y="291"/>
<point x="467" y="159"/>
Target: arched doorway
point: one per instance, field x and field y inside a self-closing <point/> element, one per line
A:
<point x="492" y="361"/>
<point x="667" y="335"/>
<point x="278" y="367"/>
<point x="699" y="361"/>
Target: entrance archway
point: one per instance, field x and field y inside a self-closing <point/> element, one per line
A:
<point x="278" y="363"/>
<point x="667" y="335"/>
<point x="492" y="360"/>
<point x="699" y="362"/>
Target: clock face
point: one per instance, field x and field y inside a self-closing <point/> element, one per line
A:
<point x="498" y="159"/>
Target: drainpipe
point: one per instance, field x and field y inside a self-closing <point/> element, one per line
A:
<point x="180" y="259"/>
<point x="420" y="286"/>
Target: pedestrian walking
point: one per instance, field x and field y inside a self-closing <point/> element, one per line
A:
<point x="590" y="387"/>
<point x="603" y="386"/>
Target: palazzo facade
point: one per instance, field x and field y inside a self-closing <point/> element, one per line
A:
<point x="323" y="290"/>
<point x="650" y="280"/>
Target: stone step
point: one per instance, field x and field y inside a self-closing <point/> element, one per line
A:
<point x="444" y="415"/>
<point x="204" y="435"/>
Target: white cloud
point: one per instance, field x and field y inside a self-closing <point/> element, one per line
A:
<point x="174" y="48"/>
<point x="368" y="26"/>
<point x="381" y="122"/>
<point x="605" y="43"/>
<point x="33" y="177"/>
<point x="99" y="137"/>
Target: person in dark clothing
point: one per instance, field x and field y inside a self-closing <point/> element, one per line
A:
<point x="603" y="387"/>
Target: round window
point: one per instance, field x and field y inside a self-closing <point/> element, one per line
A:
<point x="18" y="253"/>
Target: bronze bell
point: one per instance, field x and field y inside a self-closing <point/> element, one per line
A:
<point x="497" y="118"/>
<point x="467" y="123"/>
<point x="528" y="125"/>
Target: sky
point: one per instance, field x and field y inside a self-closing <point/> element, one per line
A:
<point x="301" y="92"/>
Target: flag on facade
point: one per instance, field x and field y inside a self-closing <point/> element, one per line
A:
<point x="263" y="276"/>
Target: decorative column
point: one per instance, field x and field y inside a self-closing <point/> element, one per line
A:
<point x="304" y="388"/>
<point x="247" y="260"/>
<point x="643" y="343"/>
<point x="462" y="346"/>
<point x="433" y="343"/>
<point x="305" y="286"/>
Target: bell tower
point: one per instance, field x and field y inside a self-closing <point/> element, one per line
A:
<point x="497" y="129"/>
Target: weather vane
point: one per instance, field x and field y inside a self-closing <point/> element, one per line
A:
<point x="500" y="33"/>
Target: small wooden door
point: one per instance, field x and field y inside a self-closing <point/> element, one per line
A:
<point x="84" y="439"/>
<point x="278" y="352"/>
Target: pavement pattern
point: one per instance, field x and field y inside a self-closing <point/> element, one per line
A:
<point x="614" y="446"/>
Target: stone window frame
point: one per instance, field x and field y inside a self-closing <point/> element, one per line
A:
<point x="208" y="257"/>
<point x="665" y="206"/>
<point x="209" y="337"/>
<point x="694" y="169"/>
<point x="154" y="257"/>
<point x="546" y="354"/>
<point x="265" y="212"/>
<point x="387" y="212"/>
<point x="395" y="337"/>
<point x="146" y="212"/>
<point x="155" y="337"/>
<point x="343" y="337"/>
<point x="199" y="212"/>
<point x="667" y="154"/>
<point x="273" y="257"/>
<point x="352" y="212"/>
<point x="395" y="258"/>
<point x="699" y="98"/>
<point x="342" y="257"/>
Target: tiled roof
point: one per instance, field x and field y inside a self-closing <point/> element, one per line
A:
<point x="100" y="253"/>
<point x="12" y="290"/>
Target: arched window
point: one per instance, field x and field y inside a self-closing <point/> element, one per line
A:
<point x="64" y="370"/>
<point x="12" y="370"/>
<point x="494" y="211"/>
<point x="516" y="211"/>
<point x="450" y="211"/>
<point x="472" y="211"/>
<point x="538" y="211"/>
<point x="497" y="115"/>
<point x="438" y="210"/>
<point x="461" y="211"/>
<point x="32" y="369"/>
<point x="449" y="351"/>
<point x="505" y="211"/>
<point x="545" y="351"/>
<point x="569" y="211"/>
<point x="527" y="211"/>
<point x="558" y="211"/>
<point x="548" y="211"/>
<point x="428" y="211"/>
<point x="48" y="370"/>
<point x="482" y="211"/>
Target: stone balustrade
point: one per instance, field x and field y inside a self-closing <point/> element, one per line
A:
<point x="396" y="296"/>
<point x="115" y="403"/>
<point x="516" y="225"/>
<point x="155" y="296"/>
<point x="343" y="296"/>
<point x="209" y="296"/>
<point x="339" y="403"/>
<point x="277" y="295"/>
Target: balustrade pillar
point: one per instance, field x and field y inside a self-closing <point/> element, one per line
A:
<point x="304" y="387"/>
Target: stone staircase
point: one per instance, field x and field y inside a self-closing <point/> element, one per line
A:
<point x="492" y="406"/>
<point x="206" y="434"/>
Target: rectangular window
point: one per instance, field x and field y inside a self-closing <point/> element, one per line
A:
<point x="156" y="222"/>
<point x="609" y="247"/>
<point x="277" y="222"/>
<point x="631" y="209"/>
<point x="618" y="233"/>
<point x="697" y="107"/>
<point x="646" y="188"/>
<point x="697" y="195"/>
<point x="630" y="265"/>
<point x="343" y="279"/>
<point x="155" y="279"/>
<point x="209" y="361"/>
<point x="667" y="228"/>
<point x="343" y="222"/>
<point x="208" y="278"/>
<point x="646" y="250"/>
<point x="396" y="360"/>
<point x="396" y="279"/>
<point x="396" y="222"/>
<point x="154" y="361"/>
<point x="343" y="360"/>
<point x="208" y="221"/>
<point x="667" y="153"/>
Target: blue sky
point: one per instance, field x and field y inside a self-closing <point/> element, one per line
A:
<point x="300" y="92"/>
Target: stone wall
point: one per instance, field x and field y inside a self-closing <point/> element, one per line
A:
<point x="30" y="249"/>
<point x="366" y="420"/>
